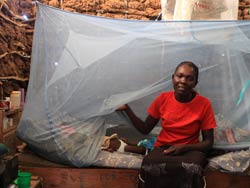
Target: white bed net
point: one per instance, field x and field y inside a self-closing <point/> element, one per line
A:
<point x="84" y="67"/>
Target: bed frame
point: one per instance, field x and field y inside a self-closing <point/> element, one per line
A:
<point x="60" y="176"/>
<point x="119" y="178"/>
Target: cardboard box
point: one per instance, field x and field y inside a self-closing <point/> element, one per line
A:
<point x="9" y="170"/>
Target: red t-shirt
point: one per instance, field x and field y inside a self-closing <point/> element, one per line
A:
<point x="181" y="122"/>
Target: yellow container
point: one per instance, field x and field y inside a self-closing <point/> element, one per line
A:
<point x="15" y="100"/>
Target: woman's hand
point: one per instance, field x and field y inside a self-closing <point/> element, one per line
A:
<point x="174" y="150"/>
<point x="143" y="126"/>
<point x="123" y="107"/>
<point x="203" y="146"/>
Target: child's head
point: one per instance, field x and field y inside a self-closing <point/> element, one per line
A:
<point x="111" y="143"/>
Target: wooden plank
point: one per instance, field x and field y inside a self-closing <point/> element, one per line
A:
<point x="85" y="178"/>
<point x="62" y="176"/>
<point x="120" y="178"/>
<point x="216" y="179"/>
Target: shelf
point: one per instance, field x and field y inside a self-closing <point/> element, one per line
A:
<point x="8" y="123"/>
<point x="9" y="129"/>
<point x="11" y="112"/>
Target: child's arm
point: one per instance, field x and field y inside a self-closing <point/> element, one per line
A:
<point x="135" y="149"/>
<point x="129" y="142"/>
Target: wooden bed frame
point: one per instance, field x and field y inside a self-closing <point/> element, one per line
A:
<point x="61" y="176"/>
<point x="119" y="178"/>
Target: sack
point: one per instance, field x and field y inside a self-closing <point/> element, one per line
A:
<point x="195" y="9"/>
<point x="207" y="9"/>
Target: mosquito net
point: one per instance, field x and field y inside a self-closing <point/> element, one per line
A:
<point x="84" y="67"/>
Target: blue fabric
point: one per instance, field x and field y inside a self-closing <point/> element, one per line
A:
<point x="3" y="149"/>
<point x="242" y="92"/>
<point x="147" y="143"/>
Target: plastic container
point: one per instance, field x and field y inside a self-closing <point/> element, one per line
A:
<point x="23" y="180"/>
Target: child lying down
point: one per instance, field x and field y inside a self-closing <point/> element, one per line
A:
<point x="114" y="143"/>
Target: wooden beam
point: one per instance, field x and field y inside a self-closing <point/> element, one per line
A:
<point x="65" y="177"/>
<point x="216" y="179"/>
<point x="85" y="177"/>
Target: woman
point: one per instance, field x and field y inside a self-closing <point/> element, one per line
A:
<point x="178" y="157"/>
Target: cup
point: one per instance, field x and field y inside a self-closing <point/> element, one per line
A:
<point x="23" y="180"/>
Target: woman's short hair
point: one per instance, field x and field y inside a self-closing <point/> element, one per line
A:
<point x="193" y="66"/>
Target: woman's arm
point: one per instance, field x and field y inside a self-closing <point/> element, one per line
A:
<point x="143" y="126"/>
<point x="205" y="145"/>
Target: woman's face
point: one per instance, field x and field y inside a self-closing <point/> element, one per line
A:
<point x="184" y="80"/>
